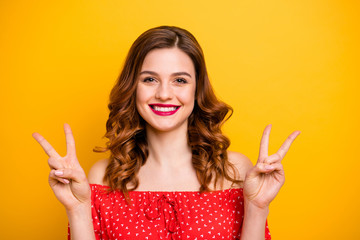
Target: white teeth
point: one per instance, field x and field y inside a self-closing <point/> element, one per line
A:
<point x="164" y="109"/>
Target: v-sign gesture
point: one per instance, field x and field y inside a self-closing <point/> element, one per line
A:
<point x="264" y="180"/>
<point x="67" y="179"/>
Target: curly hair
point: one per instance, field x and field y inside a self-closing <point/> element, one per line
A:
<point x="126" y="133"/>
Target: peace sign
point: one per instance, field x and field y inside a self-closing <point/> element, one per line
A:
<point x="264" y="180"/>
<point x="67" y="179"/>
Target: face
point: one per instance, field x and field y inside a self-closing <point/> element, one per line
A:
<point x="165" y="93"/>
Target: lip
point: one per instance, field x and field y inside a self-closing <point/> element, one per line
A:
<point x="160" y="113"/>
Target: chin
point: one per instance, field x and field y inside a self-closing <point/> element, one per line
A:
<point x="165" y="127"/>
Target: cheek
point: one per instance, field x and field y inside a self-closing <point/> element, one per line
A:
<point x="187" y="97"/>
<point x="188" y="100"/>
<point x="140" y="95"/>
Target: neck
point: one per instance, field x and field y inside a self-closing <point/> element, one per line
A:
<point x="168" y="149"/>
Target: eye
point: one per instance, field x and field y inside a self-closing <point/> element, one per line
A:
<point x="180" y="80"/>
<point x="149" y="80"/>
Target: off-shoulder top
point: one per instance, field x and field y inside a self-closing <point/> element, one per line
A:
<point x="168" y="215"/>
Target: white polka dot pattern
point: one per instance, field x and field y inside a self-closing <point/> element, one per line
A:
<point x="167" y="215"/>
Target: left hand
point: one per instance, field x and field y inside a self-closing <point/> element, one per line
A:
<point x="263" y="181"/>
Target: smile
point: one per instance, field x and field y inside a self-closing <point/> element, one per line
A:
<point x="164" y="109"/>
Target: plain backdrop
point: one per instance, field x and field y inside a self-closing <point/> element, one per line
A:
<point x="290" y="63"/>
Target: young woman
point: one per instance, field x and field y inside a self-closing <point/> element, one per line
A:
<point x="169" y="175"/>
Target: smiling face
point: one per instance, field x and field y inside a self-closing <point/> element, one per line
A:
<point x="165" y="93"/>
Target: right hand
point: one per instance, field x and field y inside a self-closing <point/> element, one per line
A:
<point x="67" y="179"/>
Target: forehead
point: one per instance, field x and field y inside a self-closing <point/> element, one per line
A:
<point x="167" y="61"/>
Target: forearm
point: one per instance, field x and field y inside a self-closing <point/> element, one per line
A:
<point x="253" y="227"/>
<point x="80" y="221"/>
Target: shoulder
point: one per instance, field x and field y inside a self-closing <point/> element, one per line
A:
<point x="97" y="172"/>
<point x="241" y="163"/>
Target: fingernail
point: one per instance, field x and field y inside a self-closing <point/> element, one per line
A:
<point x="269" y="167"/>
<point x="66" y="181"/>
<point x="59" y="173"/>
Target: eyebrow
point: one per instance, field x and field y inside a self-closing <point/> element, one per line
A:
<point x="173" y="74"/>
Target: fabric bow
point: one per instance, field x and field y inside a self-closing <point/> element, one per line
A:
<point x="166" y="206"/>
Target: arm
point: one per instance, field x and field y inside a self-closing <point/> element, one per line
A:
<point x="254" y="221"/>
<point x="77" y="204"/>
<point x="253" y="227"/>
<point x="262" y="184"/>
<point x="80" y="222"/>
<point x="70" y="186"/>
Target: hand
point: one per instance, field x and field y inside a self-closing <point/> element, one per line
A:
<point x="264" y="180"/>
<point x="67" y="179"/>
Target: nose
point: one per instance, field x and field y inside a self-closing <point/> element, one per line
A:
<point x="164" y="92"/>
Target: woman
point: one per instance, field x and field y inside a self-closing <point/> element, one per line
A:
<point x="169" y="175"/>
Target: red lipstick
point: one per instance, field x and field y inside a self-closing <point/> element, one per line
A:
<point x="164" y="109"/>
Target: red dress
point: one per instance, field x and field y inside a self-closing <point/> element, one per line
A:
<point x="168" y="215"/>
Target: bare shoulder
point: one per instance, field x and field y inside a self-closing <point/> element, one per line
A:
<point x="97" y="172"/>
<point x="241" y="163"/>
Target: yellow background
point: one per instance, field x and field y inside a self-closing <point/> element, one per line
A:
<point x="289" y="63"/>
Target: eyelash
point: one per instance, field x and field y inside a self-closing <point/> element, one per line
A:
<point x="178" y="80"/>
<point x="183" y="81"/>
<point x="148" y="79"/>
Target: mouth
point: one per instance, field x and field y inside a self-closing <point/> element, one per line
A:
<point x="164" y="109"/>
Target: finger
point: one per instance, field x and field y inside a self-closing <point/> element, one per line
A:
<point x="279" y="170"/>
<point x="73" y="174"/>
<point x="274" y="167"/>
<point x="70" y="142"/>
<point x="273" y="158"/>
<point x="54" y="163"/>
<point x="263" y="168"/>
<point x="286" y="145"/>
<point x="49" y="150"/>
<point x="53" y="179"/>
<point x="264" y="144"/>
<point x="258" y="169"/>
